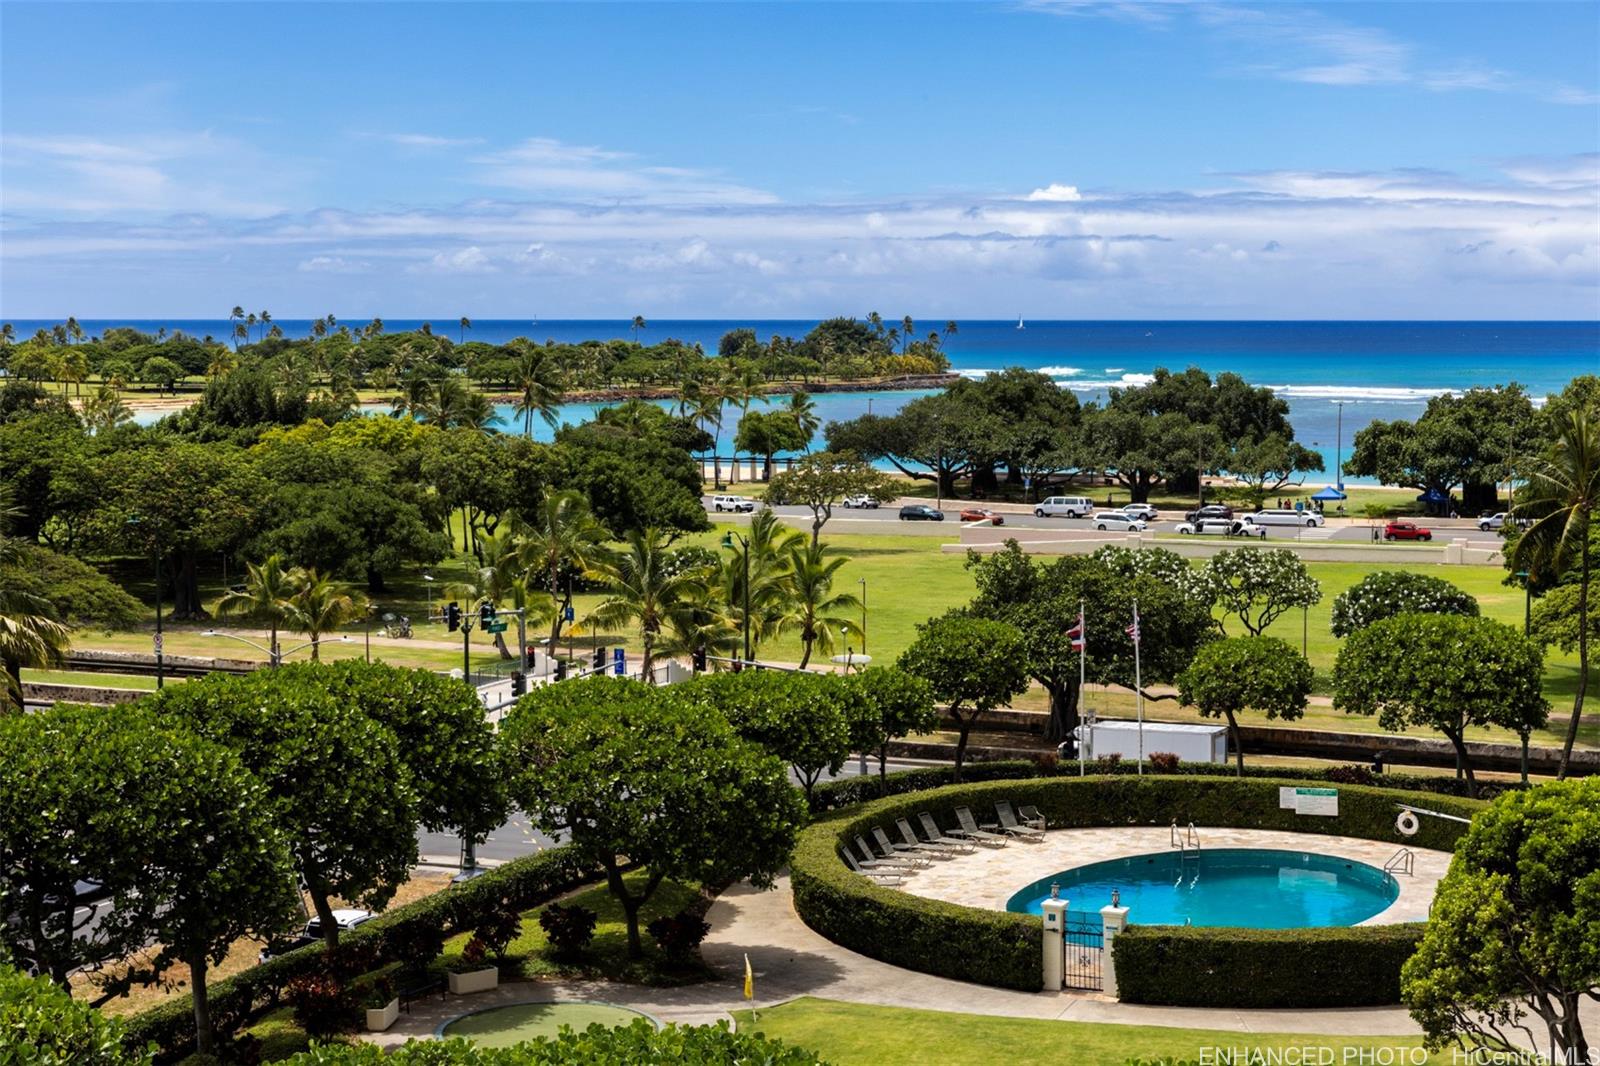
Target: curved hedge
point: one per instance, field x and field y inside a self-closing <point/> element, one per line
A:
<point x="1005" y="949"/>
<point x="397" y="935"/>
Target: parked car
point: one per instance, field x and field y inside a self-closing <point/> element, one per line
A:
<point x="861" y="500"/>
<point x="920" y="512"/>
<point x="981" y="514"/>
<point x="1063" y="507"/>
<point x="1143" y="511"/>
<point x="1210" y="510"/>
<point x="1225" y="527"/>
<point x="1406" y="531"/>
<point x="1494" y="521"/>
<point x="346" y="920"/>
<point x="732" y="503"/>
<point x="1287" y="516"/>
<point x="1107" y="520"/>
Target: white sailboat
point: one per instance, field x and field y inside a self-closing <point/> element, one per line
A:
<point x="1019" y="323"/>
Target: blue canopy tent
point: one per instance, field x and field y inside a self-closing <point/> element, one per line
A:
<point x="1435" y="501"/>
<point x="1329" y="494"/>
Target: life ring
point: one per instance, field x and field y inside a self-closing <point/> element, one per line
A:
<point x="1407" y="824"/>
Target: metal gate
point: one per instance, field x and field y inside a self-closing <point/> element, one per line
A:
<point x="1082" y="949"/>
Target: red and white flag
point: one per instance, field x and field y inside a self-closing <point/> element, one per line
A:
<point x="1076" y="634"/>
<point x="1133" y="630"/>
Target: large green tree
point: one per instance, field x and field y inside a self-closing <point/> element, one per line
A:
<point x="1513" y="937"/>
<point x="1386" y="593"/>
<point x="821" y="480"/>
<point x="1257" y="586"/>
<point x="885" y="703"/>
<point x="973" y="665"/>
<point x="631" y="770"/>
<point x="1238" y="674"/>
<point x="798" y="716"/>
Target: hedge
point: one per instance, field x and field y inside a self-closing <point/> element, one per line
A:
<point x="1357" y="966"/>
<point x="1005" y="949"/>
<point x="393" y="936"/>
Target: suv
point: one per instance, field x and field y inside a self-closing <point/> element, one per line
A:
<point x="732" y="503"/>
<point x="1210" y="510"/>
<point x="1406" y="531"/>
<point x="861" y="499"/>
<point x="1063" y="507"/>
<point x="920" y="512"/>
<point x="1494" y="521"/>
<point x="1144" y="511"/>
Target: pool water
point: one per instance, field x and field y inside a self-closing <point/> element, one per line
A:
<point x="1241" y="887"/>
<point x="499" y="1027"/>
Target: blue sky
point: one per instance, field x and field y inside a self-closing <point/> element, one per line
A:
<point x="1062" y="159"/>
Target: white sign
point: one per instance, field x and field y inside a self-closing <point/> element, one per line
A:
<point x="157" y="642"/>
<point x="1286" y="798"/>
<point x="1321" y="801"/>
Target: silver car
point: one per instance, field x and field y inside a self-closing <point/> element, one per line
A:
<point x="1116" y="520"/>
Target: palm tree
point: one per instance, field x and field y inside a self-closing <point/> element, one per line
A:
<point x="561" y="536"/>
<point x="638" y="324"/>
<point x="803" y="410"/>
<point x="769" y="541"/>
<point x="810" y="604"/>
<point x="538" y="387"/>
<point x="474" y="410"/>
<point x="466" y="324"/>
<point x="31" y="637"/>
<point x="1561" y="497"/>
<point x="320" y="604"/>
<point x="8" y="335"/>
<point x="319" y="329"/>
<point x="74" y="331"/>
<point x="268" y="590"/>
<point x="250" y="325"/>
<point x="236" y="314"/>
<point x="704" y="625"/>
<point x="950" y="328"/>
<point x="875" y="320"/>
<point x="501" y="580"/>
<point x="642" y="589"/>
<point x="104" y="410"/>
<point x="240" y="333"/>
<point x="744" y="389"/>
<point x="907" y="328"/>
<point x="222" y="362"/>
<point x="706" y="411"/>
<point x="74" y="368"/>
<point x="265" y="320"/>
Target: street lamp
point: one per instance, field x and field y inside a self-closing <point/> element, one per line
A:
<point x="1527" y="626"/>
<point x="1338" y="448"/>
<point x="727" y="542"/>
<point x="427" y="577"/>
<point x="372" y="609"/>
<point x="275" y="654"/>
<point x="863" y="614"/>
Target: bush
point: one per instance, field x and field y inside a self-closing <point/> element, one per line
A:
<point x="1387" y="593"/>
<point x="1164" y="762"/>
<point x="569" y="929"/>
<point x="322" y="1004"/>
<point x="1354" y="774"/>
<point x="46" y="1027"/>
<point x="499" y="929"/>
<point x="680" y="934"/>
<point x="1358" y="966"/>
<point x="1004" y="949"/>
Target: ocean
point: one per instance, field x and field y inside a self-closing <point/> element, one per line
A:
<point x="1369" y="370"/>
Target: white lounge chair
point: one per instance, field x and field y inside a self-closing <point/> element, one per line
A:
<point x="949" y="844"/>
<point x="882" y="877"/>
<point x="1010" y="824"/>
<point x="890" y="847"/>
<point x="910" y="862"/>
<point x="972" y="831"/>
<point x="1031" y="816"/>
<point x="939" y="836"/>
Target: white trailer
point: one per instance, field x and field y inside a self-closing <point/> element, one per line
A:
<point x="1190" y="743"/>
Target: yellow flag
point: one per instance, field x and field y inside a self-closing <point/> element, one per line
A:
<point x="749" y="979"/>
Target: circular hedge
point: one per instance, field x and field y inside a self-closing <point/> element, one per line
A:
<point x="1351" y="966"/>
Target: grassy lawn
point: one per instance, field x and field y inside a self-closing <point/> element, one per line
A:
<point x="850" y="1033"/>
<point x="530" y="955"/>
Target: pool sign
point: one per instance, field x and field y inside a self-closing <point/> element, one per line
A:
<point x="1317" y="801"/>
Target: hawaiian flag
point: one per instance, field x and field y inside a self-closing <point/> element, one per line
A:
<point x="1133" y="630"/>
<point x="1076" y="634"/>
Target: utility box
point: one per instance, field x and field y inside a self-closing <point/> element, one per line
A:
<point x="1190" y="743"/>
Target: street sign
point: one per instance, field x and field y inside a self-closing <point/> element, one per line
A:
<point x="567" y="615"/>
<point x="495" y="627"/>
<point x="157" y="642"/>
<point x="619" y="662"/>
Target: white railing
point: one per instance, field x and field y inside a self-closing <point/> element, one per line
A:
<point x="1403" y="861"/>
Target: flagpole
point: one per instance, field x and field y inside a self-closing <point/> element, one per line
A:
<point x="1138" y="684"/>
<point x="1083" y="655"/>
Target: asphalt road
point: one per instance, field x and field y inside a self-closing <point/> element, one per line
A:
<point x="885" y="520"/>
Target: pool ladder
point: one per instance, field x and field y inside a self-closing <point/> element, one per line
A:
<point x="1187" y="841"/>
<point x="1402" y="861"/>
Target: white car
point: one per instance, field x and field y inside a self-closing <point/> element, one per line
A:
<point x="1494" y="521"/>
<point x="861" y="500"/>
<point x="1226" y="527"/>
<point x="1287" y="516"/>
<point x="1142" y="511"/>
<point x="732" y="503"/>
<point x="1107" y="520"/>
<point x="1063" y="507"/>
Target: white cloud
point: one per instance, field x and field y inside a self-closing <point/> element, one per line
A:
<point x="548" y="167"/>
<point x="469" y="260"/>
<point x="331" y="264"/>
<point x="428" y="140"/>
<point x="1055" y="193"/>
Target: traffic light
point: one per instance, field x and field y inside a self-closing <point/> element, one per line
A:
<point x="561" y="669"/>
<point x="452" y="616"/>
<point x="599" y="658"/>
<point x="519" y="685"/>
<point x="485" y="613"/>
<point x="700" y="659"/>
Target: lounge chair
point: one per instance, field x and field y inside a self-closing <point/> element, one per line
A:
<point x="920" y="849"/>
<point x="1010" y="824"/>
<point x="1031" y="816"/>
<point x="972" y="831"/>
<point x="949" y="844"/>
<point x="910" y="862"/>
<point x="882" y="877"/>
<point x="939" y="836"/>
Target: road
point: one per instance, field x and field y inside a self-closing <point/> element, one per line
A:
<point x="884" y="520"/>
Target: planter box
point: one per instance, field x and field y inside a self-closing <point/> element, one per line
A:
<point x="462" y="984"/>
<point x="380" y="1018"/>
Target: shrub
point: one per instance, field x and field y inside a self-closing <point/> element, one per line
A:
<point x="1387" y="593"/>
<point x="1107" y="763"/>
<point x="1164" y="762"/>
<point x="499" y="929"/>
<point x="1354" y="774"/>
<point x="322" y="1003"/>
<point x="678" y="935"/>
<point x="474" y="953"/>
<point x="569" y="929"/>
<point x="47" y="1027"/>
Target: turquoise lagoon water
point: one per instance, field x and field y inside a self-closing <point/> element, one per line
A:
<point x="1240" y="887"/>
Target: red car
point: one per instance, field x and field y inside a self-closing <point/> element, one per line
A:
<point x="1406" y="531"/>
<point x="981" y="514"/>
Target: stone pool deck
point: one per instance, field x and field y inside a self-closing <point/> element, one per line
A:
<point x="989" y="877"/>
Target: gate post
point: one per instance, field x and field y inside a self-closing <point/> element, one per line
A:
<point x="1054" y="911"/>
<point x="1113" y="919"/>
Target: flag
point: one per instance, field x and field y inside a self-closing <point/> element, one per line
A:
<point x="1075" y="635"/>
<point x="1133" y="630"/>
<point x="749" y="979"/>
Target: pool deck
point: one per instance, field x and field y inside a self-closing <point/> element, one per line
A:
<point x="989" y="877"/>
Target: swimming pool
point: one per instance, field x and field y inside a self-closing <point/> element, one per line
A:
<point x="1242" y="887"/>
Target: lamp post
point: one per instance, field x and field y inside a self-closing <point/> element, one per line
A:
<point x="275" y="654"/>
<point x="1527" y="626"/>
<point x="1338" y="449"/>
<point x="727" y="542"/>
<point x="372" y="609"/>
<point x="863" y="615"/>
<point x="428" y="578"/>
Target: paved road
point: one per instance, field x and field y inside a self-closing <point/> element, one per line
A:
<point x="884" y="520"/>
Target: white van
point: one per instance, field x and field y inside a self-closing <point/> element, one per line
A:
<point x="732" y="503"/>
<point x="1287" y="517"/>
<point x="1063" y="507"/>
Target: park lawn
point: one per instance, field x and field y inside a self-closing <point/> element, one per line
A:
<point x="529" y="956"/>
<point x="136" y="682"/>
<point x="849" y="1033"/>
